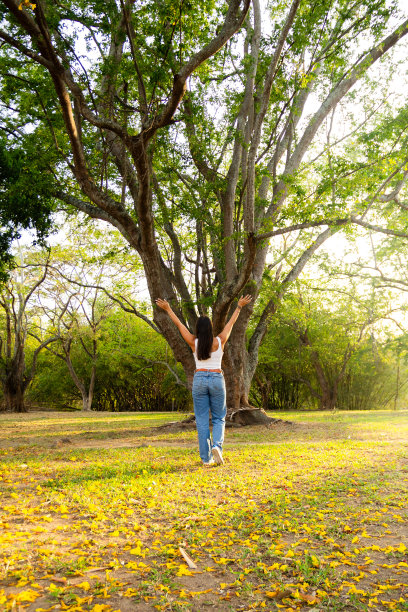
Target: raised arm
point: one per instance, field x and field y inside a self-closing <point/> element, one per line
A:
<point x="188" y="337"/>
<point x="224" y="335"/>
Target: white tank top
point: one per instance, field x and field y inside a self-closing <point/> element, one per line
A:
<point x="214" y="362"/>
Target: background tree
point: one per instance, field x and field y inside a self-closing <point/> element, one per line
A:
<point x="227" y="159"/>
<point x="331" y="346"/>
<point x="135" y="371"/>
<point x="330" y="337"/>
<point x="376" y="378"/>
<point x="19" y="319"/>
<point x="75" y="314"/>
<point x="113" y="361"/>
<point x="276" y="386"/>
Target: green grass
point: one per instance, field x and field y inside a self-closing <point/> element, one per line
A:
<point x="45" y="428"/>
<point x="307" y="516"/>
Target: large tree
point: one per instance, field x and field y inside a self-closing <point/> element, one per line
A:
<point x="185" y="126"/>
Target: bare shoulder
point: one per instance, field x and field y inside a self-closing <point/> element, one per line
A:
<point x="215" y="343"/>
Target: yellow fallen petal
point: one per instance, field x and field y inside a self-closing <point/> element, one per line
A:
<point x="184" y="571"/>
<point x="29" y="596"/>
<point x="85" y="586"/>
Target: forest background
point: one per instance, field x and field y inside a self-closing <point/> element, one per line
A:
<point x="256" y="149"/>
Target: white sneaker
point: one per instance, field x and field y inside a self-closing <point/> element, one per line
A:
<point x="217" y="454"/>
<point x="209" y="463"/>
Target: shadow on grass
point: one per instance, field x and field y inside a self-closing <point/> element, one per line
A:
<point x="45" y="437"/>
<point x="126" y="473"/>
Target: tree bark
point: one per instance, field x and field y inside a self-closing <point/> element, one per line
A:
<point x="86" y="393"/>
<point x="14" y="390"/>
<point x="15" y="384"/>
<point x="238" y="379"/>
<point x="328" y="398"/>
<point x="86" y="403"/>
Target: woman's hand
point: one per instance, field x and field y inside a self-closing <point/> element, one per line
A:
<point x="163" y="304"/>
<point x="244" y="300"/>
<point x="224" y="335"/>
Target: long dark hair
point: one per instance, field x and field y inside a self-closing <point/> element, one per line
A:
<point x="204" y="333"/>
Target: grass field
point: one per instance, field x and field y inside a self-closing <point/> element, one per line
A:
<point x="307" y="516"/>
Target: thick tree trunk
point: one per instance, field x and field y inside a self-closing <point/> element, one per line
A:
<point x="328" y="389"/>
<point x="238" y="378"/>
<point x="87" y="396"/>
<point x="15" y="383"/>
<point x="15" y="400"/>
<point x="239" y="409"/>
<point x="86" y="403"/>
<point x="328" y="398"/>
<point x="14" y="389"/>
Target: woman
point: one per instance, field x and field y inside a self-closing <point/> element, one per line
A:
<point x="208" y="383"/>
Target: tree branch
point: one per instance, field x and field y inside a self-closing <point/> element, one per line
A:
<point x="129" y="308"/>
<point x="127" y="227"/>
<point x="173" y="372"/>
<point x="337" y="93"/>
<point x="25" y="50"/>
<point x="232" y="22"/>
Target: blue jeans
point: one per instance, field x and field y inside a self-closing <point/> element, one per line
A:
<point x="209" y="395"/>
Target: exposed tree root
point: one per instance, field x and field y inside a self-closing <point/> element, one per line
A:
<point x="248" y="415"/>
